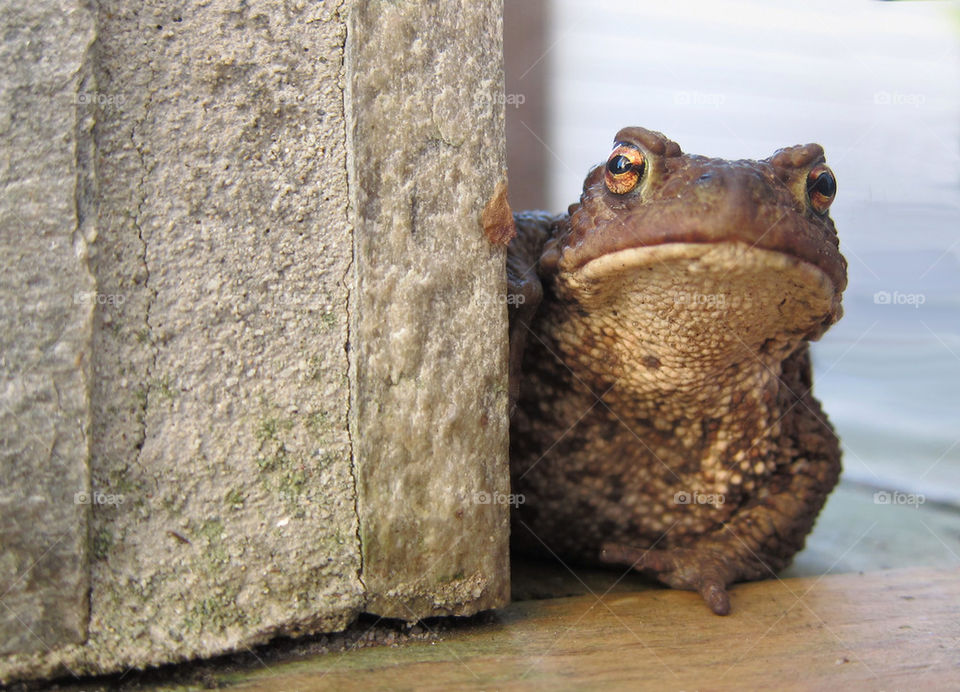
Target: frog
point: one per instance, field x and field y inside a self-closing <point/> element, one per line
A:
<point x="660" y="385"/>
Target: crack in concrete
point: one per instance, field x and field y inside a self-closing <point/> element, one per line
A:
<point x="144" y="258"/>
<point x="350" y="281"/>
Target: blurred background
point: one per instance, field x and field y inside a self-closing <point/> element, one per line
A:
<point x="878" y="85"/>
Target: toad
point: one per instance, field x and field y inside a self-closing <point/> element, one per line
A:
<point x="660" y="383"/>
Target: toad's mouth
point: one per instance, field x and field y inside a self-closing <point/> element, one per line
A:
<point x="787" y="233"/>
<point x="702" y="287"/>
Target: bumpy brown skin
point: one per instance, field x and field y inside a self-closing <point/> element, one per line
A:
<point x="653" y="429"/>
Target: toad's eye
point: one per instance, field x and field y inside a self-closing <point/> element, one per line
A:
<point x="624" y="168"/>
<point x="821" y="188"/>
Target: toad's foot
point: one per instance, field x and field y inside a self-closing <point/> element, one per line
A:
<point x="681" y="568"/>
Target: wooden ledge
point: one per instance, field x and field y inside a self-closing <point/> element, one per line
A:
<point x="894" y="629"/>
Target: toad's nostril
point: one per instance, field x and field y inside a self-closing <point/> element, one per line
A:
<point x="705" y="177"/>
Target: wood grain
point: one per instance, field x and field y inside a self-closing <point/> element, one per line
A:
<point x="896" y="629"/>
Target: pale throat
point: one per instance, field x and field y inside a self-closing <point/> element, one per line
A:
<point x="683" y="378"/>
<point x="677" y="334"/>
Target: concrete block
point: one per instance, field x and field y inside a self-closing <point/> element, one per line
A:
<point x="46" y="315"/>
<point x="267" y="334"/>
<point x="431" y="427"/>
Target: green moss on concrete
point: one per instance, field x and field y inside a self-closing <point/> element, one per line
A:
<point x="317" y="424"/>
<point x="328" y="320"/>
<point x="121" y="483"/>
<point x="234" y="498"/>
<point x="292" y="482"/>
<point x="174" y="503"/>
<point x="215" y="551"/>
<point x="315" y="368"/>
<point x="270" y="427"/>
<point x="283" y="471"/>
<point x="217" y="613"/>
<point x="212" y="530"/>
<point x="165" y="388"/>
<point x="101" y="543"/>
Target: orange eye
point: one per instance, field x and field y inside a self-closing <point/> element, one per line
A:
<point x="624" y="168"/>
<point x="821" y="188"/>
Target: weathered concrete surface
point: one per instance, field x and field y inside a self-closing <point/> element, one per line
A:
<point x="224" y="139"/>
<point x="296" y="346"/>
<point x="220" y="391"/>
<point x="426" y="131"/>
<point x="45" y="327"/>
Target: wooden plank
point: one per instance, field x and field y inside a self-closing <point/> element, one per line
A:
<point x="891" y="630"/>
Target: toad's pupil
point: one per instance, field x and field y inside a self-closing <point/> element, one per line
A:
<point x="825" y="185"/>
<point x="619" y="165"/>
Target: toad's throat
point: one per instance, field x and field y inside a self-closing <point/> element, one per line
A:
<point x="688" y="309"/>
<point x="722" y="279"/>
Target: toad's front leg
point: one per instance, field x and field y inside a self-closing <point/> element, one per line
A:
<point x="705" y="569"/>
<point x="754" y="544"/>
<point x="763" y="536"/>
